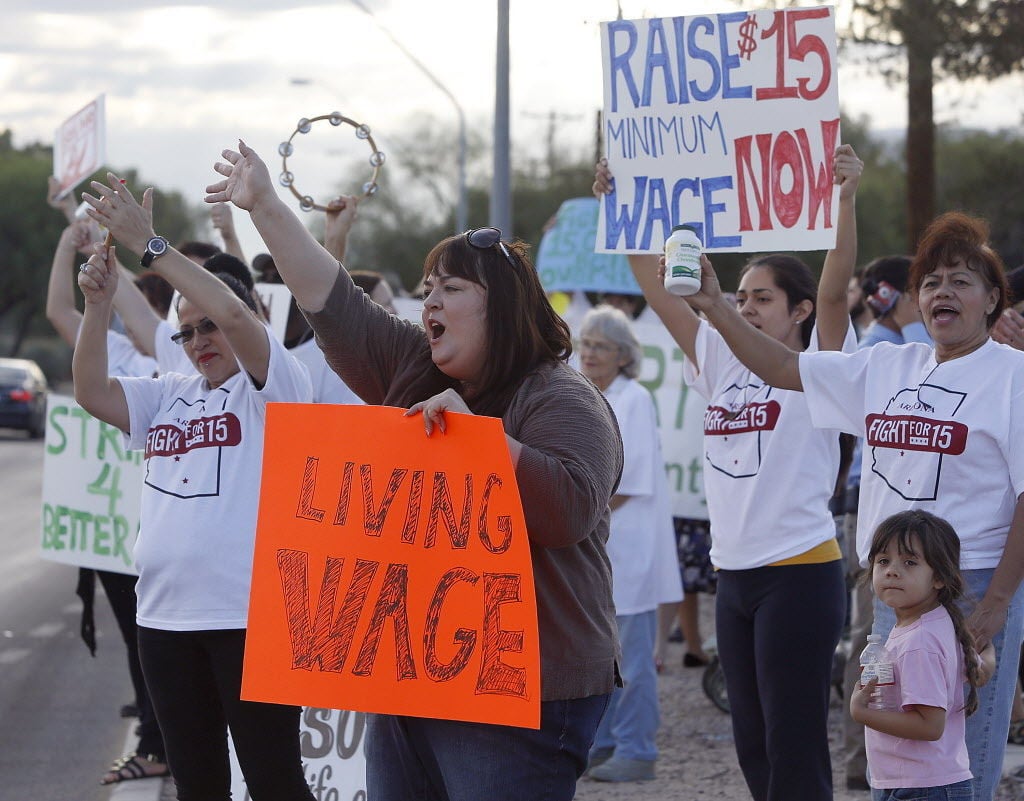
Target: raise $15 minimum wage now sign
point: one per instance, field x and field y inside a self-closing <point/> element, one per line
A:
<point x="727" y="122"/>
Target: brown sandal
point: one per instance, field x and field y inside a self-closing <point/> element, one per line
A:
<point x="135" y="766"/>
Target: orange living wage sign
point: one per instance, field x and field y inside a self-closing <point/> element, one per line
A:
<point x="392" y="571"/>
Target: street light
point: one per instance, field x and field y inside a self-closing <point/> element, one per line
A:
<point x="461" y="213"/>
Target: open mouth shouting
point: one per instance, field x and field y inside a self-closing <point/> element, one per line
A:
<point x="944" y="313"/>
<point x="435" y="330"/>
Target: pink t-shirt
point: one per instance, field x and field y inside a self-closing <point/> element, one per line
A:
<point x="930" y="672"/>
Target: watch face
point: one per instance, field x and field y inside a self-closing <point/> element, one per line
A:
<point x="157" y="245"/>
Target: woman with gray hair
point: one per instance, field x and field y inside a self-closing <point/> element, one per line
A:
<point x="641" y="547"/>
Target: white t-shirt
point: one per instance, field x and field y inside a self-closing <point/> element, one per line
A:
<point x="768" y="472"/>
<point x="123" y="358"/>
<point x="170" y="357"/>
<point x="944" y="437"/>
<point x="327" y="384"/>
<point x="641" y="544"/>
<point x="204" y="455"/>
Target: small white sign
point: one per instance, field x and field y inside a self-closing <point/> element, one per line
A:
<point x="80" y="146"/>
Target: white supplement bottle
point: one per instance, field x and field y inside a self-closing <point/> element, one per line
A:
<point x="682" y="261"/>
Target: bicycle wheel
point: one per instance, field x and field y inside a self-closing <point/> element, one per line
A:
<point x="713" y="683"/>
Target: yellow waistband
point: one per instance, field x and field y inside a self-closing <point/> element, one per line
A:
<point x="828" y="551"/>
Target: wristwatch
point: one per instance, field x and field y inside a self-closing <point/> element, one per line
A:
<point x="155" y="247"/>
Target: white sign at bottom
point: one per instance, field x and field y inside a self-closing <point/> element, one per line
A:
<point x="332" y="756"/>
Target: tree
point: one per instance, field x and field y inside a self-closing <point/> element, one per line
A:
<point x="941" y="39"/>
<point x="971" y="160"/>
<point x="414" y="206"/>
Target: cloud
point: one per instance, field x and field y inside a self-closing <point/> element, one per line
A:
<point x="76" y="8"/>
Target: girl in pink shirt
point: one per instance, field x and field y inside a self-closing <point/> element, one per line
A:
<point x="917" y="740"/>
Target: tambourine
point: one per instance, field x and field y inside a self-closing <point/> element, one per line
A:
<point x="306" y="202"/>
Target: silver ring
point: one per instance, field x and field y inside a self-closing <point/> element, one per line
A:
<point x="83" y="267"/>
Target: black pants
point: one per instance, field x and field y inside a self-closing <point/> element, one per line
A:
<point x="777" y="630"/>
<point x="195" y="680"/>
<point x="120" y="591"/>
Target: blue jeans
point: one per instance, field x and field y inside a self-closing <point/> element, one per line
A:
<point x="451" y="760"/>
<point x="961" y="791"/>
<point x="630" y="725"/>
<point x="987" y="728"/>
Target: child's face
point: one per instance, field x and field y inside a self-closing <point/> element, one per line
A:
<point x="904" y="581"/>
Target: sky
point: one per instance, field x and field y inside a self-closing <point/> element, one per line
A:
<point x="184" y="80"/>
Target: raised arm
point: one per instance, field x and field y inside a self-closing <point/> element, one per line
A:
<point x="136" y="313"/>
<point x="680" y="320"/>
<point x="132" y="225"/>
<point x="95" y="391"/>
<point x="61" y="310"/>
<point x="224" y="222"/>
<point x="768" y="358"/>
<point x="833" y="317"/>
<point x="341" y="213"/>
<point x="66" y="204"/>
<point x="306" y="267"/>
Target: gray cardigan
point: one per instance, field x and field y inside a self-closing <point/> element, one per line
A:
<point x="569" y="467"/>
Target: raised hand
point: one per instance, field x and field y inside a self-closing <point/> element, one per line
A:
<point x="846" y="170"/>
<point x="338" y="219"/>
<point x="341" y="212"/>
<point x="603" y="181"/>
<point x="97" y="278"/>
<point x="81" y="235"/>
<point x="220" y="216"/>
<point x="247" y="180"/>
<point x="66" y="205"/>
<point x="116" y="209"/>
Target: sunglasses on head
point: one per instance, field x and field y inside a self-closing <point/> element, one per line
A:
<point x="206" y="326"/>
<point x="486" y="238"/>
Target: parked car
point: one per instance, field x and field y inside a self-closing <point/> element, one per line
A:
<point x="23" y="391"/>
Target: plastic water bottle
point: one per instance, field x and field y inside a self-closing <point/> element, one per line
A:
<point x="875" y="661"/>
<point x="682" y="261"/>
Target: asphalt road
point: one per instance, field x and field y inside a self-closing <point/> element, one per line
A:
<point x="59" y="722"/>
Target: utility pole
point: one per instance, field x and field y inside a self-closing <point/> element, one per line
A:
<point x="501" y="186"/>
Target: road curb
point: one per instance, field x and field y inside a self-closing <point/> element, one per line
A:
<point x="136" y="789"/>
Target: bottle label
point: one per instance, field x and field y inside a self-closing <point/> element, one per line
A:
<point x="682" y="252"/>
<point x="684" y="271"/>
<point x="883" y="670"/>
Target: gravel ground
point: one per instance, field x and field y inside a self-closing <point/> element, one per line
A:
<point x="697" y="758"/>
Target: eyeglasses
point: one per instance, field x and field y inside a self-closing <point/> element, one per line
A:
<point x="485" y="238"/>
<point x="597" y="345"/>
<point x="206" y="326"/>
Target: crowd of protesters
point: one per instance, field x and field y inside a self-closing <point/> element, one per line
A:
<point x="922" y="383"/>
